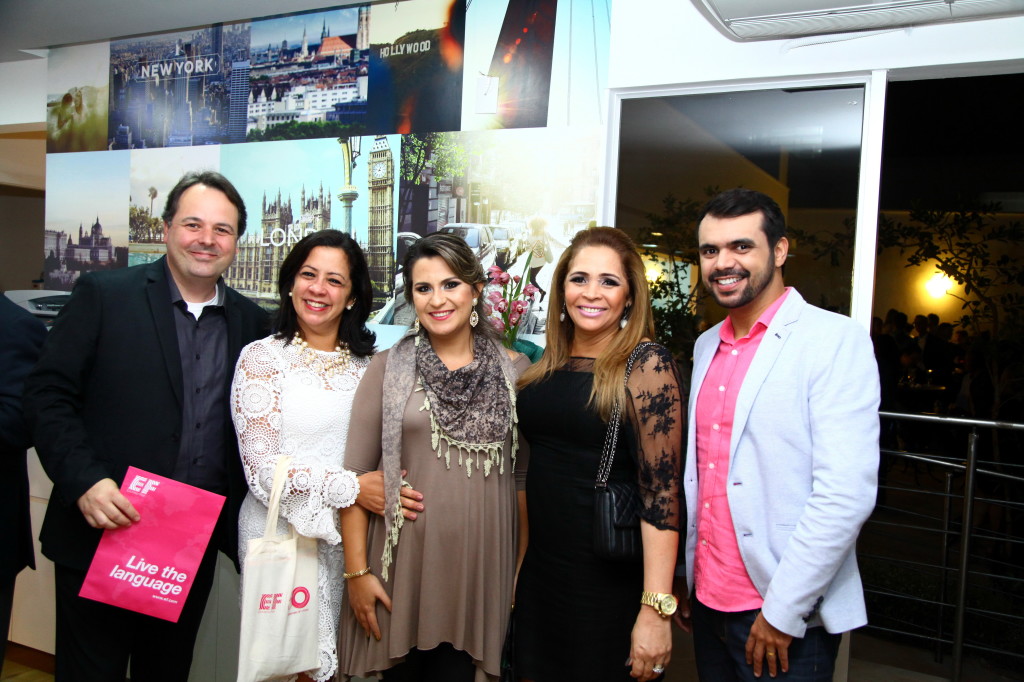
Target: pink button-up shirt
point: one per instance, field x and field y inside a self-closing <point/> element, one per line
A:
<point x="719" y="574"/>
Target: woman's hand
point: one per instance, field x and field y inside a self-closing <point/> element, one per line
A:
<point x="371" y="495"/>
<point x="651" y="645"/>
<point x="363" y="594"/>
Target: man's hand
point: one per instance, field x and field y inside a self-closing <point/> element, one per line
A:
<point x="766" y="642"/>
<point x="103" y="506"/>
<point x="371" y="496"/>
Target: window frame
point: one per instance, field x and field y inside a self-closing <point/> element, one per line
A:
<point x="866" y="231"/>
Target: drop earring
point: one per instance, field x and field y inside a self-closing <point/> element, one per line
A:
<point x="474" y="317"/>
<point x="416" y="325"/>
<point x="625" y="319"/>
<point x="561" y="315"/>
<point x="351" y="305"/>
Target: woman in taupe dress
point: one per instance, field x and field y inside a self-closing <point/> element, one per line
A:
<point x="430" y="598"/>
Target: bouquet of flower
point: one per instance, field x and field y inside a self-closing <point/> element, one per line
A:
<point x="508" y="302"/>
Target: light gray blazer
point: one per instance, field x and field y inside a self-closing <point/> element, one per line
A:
<point x="803" y="465"/>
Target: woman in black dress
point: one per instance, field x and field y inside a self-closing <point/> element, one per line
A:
<point x="578" y="616"/>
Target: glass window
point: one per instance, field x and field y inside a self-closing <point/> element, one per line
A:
<point x="801" y="146"/>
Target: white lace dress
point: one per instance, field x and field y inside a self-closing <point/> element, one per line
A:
<point x="283" y="406"/>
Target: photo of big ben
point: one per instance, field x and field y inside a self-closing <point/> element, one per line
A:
<point x="380" y="243"/>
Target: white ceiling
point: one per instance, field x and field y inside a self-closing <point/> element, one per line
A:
<point x="41" y="24"/>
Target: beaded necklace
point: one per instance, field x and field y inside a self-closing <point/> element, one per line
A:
<point x="316" y="361"/>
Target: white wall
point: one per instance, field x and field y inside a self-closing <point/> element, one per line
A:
<point x="662" y="42"/>
<point x="22" y="124"/>
<point x="24" y="86"/>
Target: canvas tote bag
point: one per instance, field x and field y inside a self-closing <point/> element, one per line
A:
<point x="279" y="599"/>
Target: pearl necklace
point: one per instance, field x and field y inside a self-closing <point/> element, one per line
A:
<point x="315" y="361"/>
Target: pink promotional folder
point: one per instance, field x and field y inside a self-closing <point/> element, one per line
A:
<point x="149" y="566"/>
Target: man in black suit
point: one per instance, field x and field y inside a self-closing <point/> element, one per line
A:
<point x="136" y="372"/>
<point x="21" y="337"/>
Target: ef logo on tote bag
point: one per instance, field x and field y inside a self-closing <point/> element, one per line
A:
<point x="300" y="599"/>
<point x="280" y="617"/>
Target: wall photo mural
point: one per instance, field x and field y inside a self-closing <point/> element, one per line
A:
<point x="387" y="121"/>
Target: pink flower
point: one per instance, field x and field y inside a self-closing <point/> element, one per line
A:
<point x="513" y="319"/>
<point x="504" y="278"/>
<point x="498" y="324"/>
<point x="494" y="296"/>
<point x="517" y="279"/>
<point x="501" y="305"/>
<point x="519" y="307"/>
<point x="529" y="290"/>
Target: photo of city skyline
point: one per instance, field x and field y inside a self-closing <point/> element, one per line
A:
<point x="308" y="74"/>
<point x="176" y="89"/>
<point x="292" y="188"/>
<point x="86" y="224"/>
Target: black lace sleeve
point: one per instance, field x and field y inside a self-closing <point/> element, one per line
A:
<point x="657" y="412"/>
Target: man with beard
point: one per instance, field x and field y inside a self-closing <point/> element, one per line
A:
<point x="782" y="459"/>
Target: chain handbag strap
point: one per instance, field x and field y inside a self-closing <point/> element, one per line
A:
<point x="611" y="438"/>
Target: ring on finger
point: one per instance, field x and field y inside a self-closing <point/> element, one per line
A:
<point x="769" y="653"/>
<point x="658" y="669"/>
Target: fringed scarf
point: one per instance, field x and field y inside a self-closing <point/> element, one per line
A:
<point x="472" y="409"/>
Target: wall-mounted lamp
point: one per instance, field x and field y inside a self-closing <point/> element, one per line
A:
<point x="939" y="285"/>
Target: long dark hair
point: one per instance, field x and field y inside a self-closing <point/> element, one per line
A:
<point x="352" y="329"/>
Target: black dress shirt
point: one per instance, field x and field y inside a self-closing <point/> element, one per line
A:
<point x="203" y="346"/>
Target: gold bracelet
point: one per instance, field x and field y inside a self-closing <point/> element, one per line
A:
<point x="346" y="576"/>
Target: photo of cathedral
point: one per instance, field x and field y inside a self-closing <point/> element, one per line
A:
<point x="260" y="252"/>
<point x="86" y="226"/>
<point x="308" y="74"/>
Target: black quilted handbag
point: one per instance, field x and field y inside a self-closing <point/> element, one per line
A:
<point x="617" y="504"/>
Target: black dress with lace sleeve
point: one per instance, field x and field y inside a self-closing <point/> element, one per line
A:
<point x="574" y="610"/>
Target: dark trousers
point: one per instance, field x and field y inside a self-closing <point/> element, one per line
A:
<point x="533" y="277"/>
<point x="443" y="663"/>
<point x="6" y="602"/>
<point x="95" y="641"/>
<point x="720" y="640"/>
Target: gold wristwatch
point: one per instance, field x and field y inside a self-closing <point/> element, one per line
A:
<point x="664" y="604"/>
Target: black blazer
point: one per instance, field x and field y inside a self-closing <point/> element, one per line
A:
<point x="107" y="394"/>
<point x="21" y="338"/>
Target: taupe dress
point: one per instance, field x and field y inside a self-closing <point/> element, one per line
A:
<point x="453" y="569"/>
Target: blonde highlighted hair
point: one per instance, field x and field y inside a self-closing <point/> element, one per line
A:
<point x="610" y="365"/>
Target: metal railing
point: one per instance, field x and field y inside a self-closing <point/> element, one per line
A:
<point x="952" y="466"/>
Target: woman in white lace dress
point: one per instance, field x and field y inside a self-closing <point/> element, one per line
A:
<point x="292" y="395"/>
